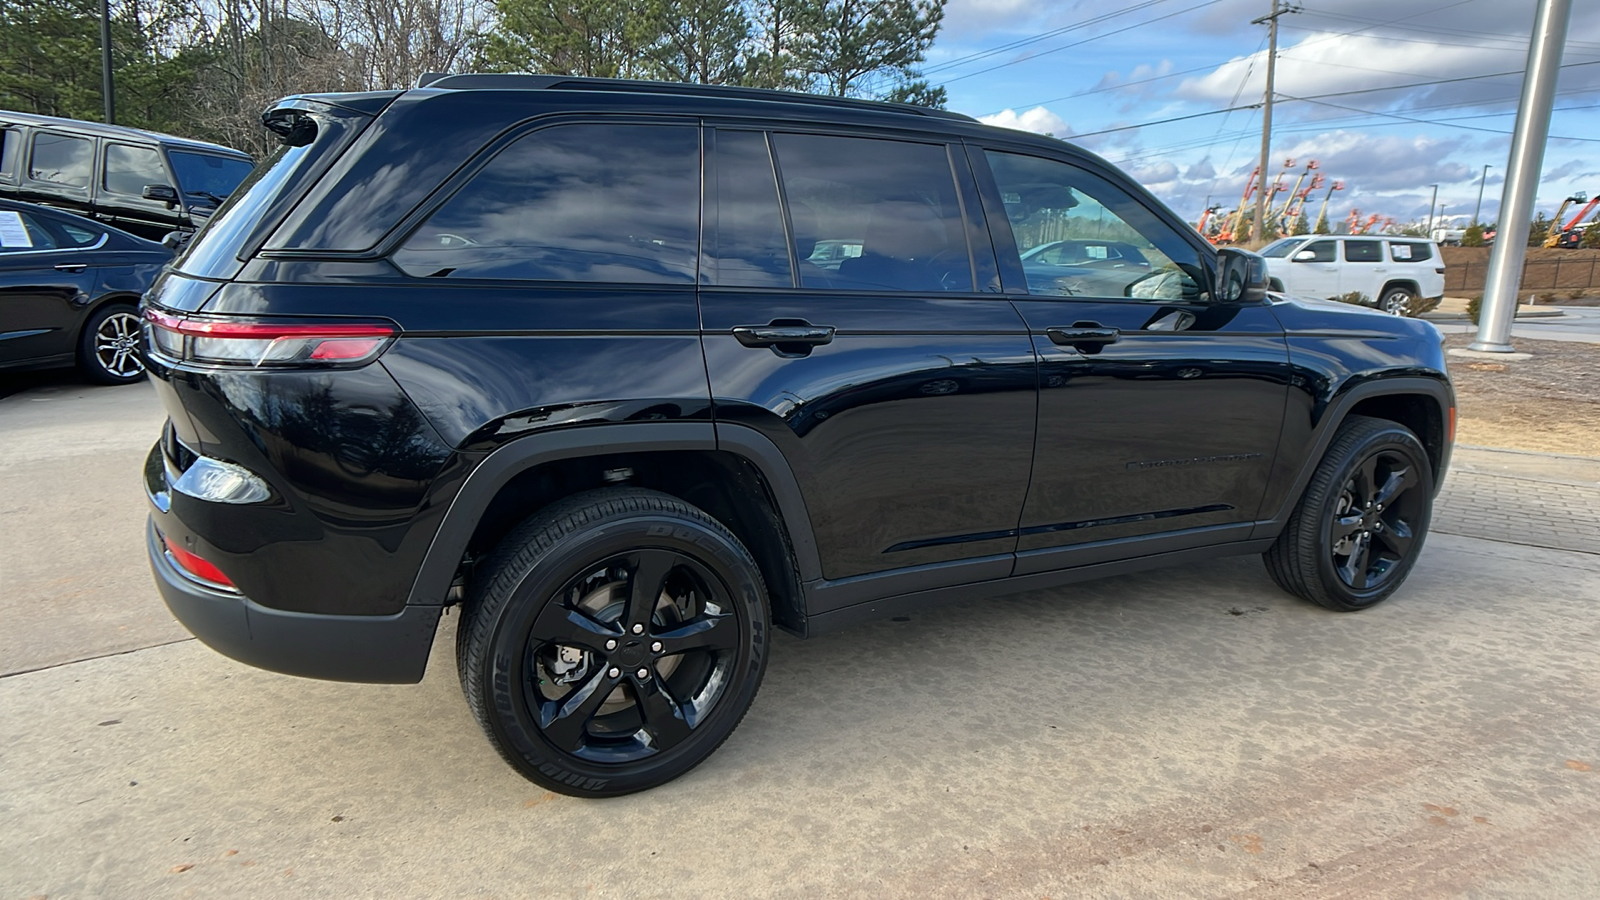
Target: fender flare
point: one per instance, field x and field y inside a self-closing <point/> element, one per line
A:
<point x="1436" y="389"/>
<point x="460" y="521"/>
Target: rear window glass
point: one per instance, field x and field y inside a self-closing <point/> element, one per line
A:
<point x="10" y="144"/>
<point x="1363" y="251"/>
<point x="129" y="169"/>
<point x="585" y="202"/>
<point x="61" y="159"/>
<point x="1406" y="251"/>
<point x="874" y="215"/>
<point x="748" y="248"/>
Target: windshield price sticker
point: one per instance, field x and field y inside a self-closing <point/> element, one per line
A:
<point x="12" y="232"/>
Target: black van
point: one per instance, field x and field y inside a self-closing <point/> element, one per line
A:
<point x="140" y="181"/>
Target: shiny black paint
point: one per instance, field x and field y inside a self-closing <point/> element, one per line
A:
<point x="914" y="423"/>
<point x="1158" y="430"/>
<point x="46" y="296"/>
<point x="899" y="454"/>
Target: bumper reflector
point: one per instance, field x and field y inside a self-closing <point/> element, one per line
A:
<point x="196" y="567"/>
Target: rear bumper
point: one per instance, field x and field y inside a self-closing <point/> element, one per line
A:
<point x="374" y="649"/>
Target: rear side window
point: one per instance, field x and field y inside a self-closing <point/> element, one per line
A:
<point x="10" y="147"/>
<point x="873" y="215"/>
<point x="1363" y="251"/>
<point x="1405" y="251"/>
<point x="22" y="232"/>
<point x="586" y="202"/>
<point x="747" y="248"/>
<point x="129" y="169"/>
<point x="61" y="159"/>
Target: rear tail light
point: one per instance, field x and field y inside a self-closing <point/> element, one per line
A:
<point x="195" y="567"/>
<point x="266" y="343"/>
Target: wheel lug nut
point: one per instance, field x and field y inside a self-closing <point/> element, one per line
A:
<point x="638" y="629"/>
<point x="656" y="647"/>
<point x="611" y="645"/>
<point x="643" y="674"/>
<point x="614" y="672"/>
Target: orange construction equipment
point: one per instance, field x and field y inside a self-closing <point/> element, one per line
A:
<point x="1558" y="236"/>
<point x="1232" y="229"/>
<point x="1205" y="219"/>
<point x="1552" y="237"/>
<point x="1336" y="186"/>
<point x="1296" y="189"/>
<point x="1352" y="222"/>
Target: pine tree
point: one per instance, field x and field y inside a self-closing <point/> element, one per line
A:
<point x="846" y="43"/>
<point x="1322" y="224"/>
<point x="702" y="41"/>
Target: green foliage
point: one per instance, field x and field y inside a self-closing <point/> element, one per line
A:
<point x="1474" y="306"/>
<point x="595" y="38"/>
<point x="1414" y="230"/>
<point x="1322" y="224"/>
<point x="844" y="43"/>
<point x="1301" y="225"/>
<point x="1591" y="238"/>
<point x="1473" y="236"/>
<point x="1538" y="230"/>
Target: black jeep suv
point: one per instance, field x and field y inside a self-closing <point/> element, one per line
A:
<point x="560" y="352"/>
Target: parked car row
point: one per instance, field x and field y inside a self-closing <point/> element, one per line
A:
<point x="142" y="182"/>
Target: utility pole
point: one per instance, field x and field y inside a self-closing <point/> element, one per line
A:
<point x="1431" y="204"/>
<point x="1481" y="179"/>
<point x="105" y="62"/>
<point x="1256" y="225"/>
<point x="1522" y="176"/>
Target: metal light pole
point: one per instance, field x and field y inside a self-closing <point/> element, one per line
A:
<point x="105" y="61"/>
<point x="1431" y="203"/>
<point x="1481" y="179"/>
<point x="1522" y="176"/>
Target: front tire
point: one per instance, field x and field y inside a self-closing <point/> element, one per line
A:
<point x="108" y="348"/>
<point x="616" y="639"/>
<point x="1361" y="522"/>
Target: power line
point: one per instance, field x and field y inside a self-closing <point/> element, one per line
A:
<point x="1042" y="36"/>
<point x="1373" y="112"/>
<point x="1104" y="34"/>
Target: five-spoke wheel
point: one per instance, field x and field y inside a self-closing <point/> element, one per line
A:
<point x="1360" y="524"/>
<point x="614" y="641"/>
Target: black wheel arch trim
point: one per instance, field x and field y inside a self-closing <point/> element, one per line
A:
<point x="449" y="545"/>
<point x="1436" y="389"/>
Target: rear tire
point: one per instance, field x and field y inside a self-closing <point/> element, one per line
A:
<point x="613" y="641"/>
<point x="1358" y="528"/>
<point x="1397" y="301"/>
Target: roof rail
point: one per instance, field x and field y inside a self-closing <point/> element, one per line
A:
<point x="467" y="82"/>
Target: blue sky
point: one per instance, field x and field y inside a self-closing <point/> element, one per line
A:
<point x="1138" y="61"/>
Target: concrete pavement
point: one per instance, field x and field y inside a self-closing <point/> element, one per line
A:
<point x="1190" y="732"/>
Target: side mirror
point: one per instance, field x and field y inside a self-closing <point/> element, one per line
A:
<point x="1305" y="256"/>
<point x="1241" y="276"/>
<point x="164" y="193"/>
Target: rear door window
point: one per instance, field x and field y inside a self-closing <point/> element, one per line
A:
<point x="61" y="159"/>
<point x="586" y="202"/>
<point x="1408" y="251"/>
<point x="1363" y="251"/>
<point x="747" y="246"/>
<point x="129" y="168"/>
<point x="874" y="215"/>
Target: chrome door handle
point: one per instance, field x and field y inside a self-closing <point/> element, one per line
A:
<point x="71" y="267"/>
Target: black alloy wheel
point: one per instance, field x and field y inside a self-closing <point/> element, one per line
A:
<point x="618" y="639"/>
<point x="1358" y="528"/>
<point x="109" y="349"/>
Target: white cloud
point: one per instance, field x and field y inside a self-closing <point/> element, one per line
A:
<point x="1038" y="120"/>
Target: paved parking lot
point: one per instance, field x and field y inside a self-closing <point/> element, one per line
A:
<point x="1181" y="733"/>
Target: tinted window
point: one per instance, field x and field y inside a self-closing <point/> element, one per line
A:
<point x="873" y="215"/>
<point x="21" y="233"/>
<point x="208" y="178"/>
<point x="1080" y="235"/>
<point x="1281" y="248"/>
<point x="10" y="144"/>
<point x="60" y="159"/>
<point x="747" y="247"/>
<point x="1363" y="251"/>
<point x="572" y="203"/>
<point x="1321" y="251"/>
<point x="1405" y="251"/>
<point x="129" y="169"/>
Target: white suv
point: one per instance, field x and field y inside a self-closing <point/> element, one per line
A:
<point x="1389" y="273"/>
